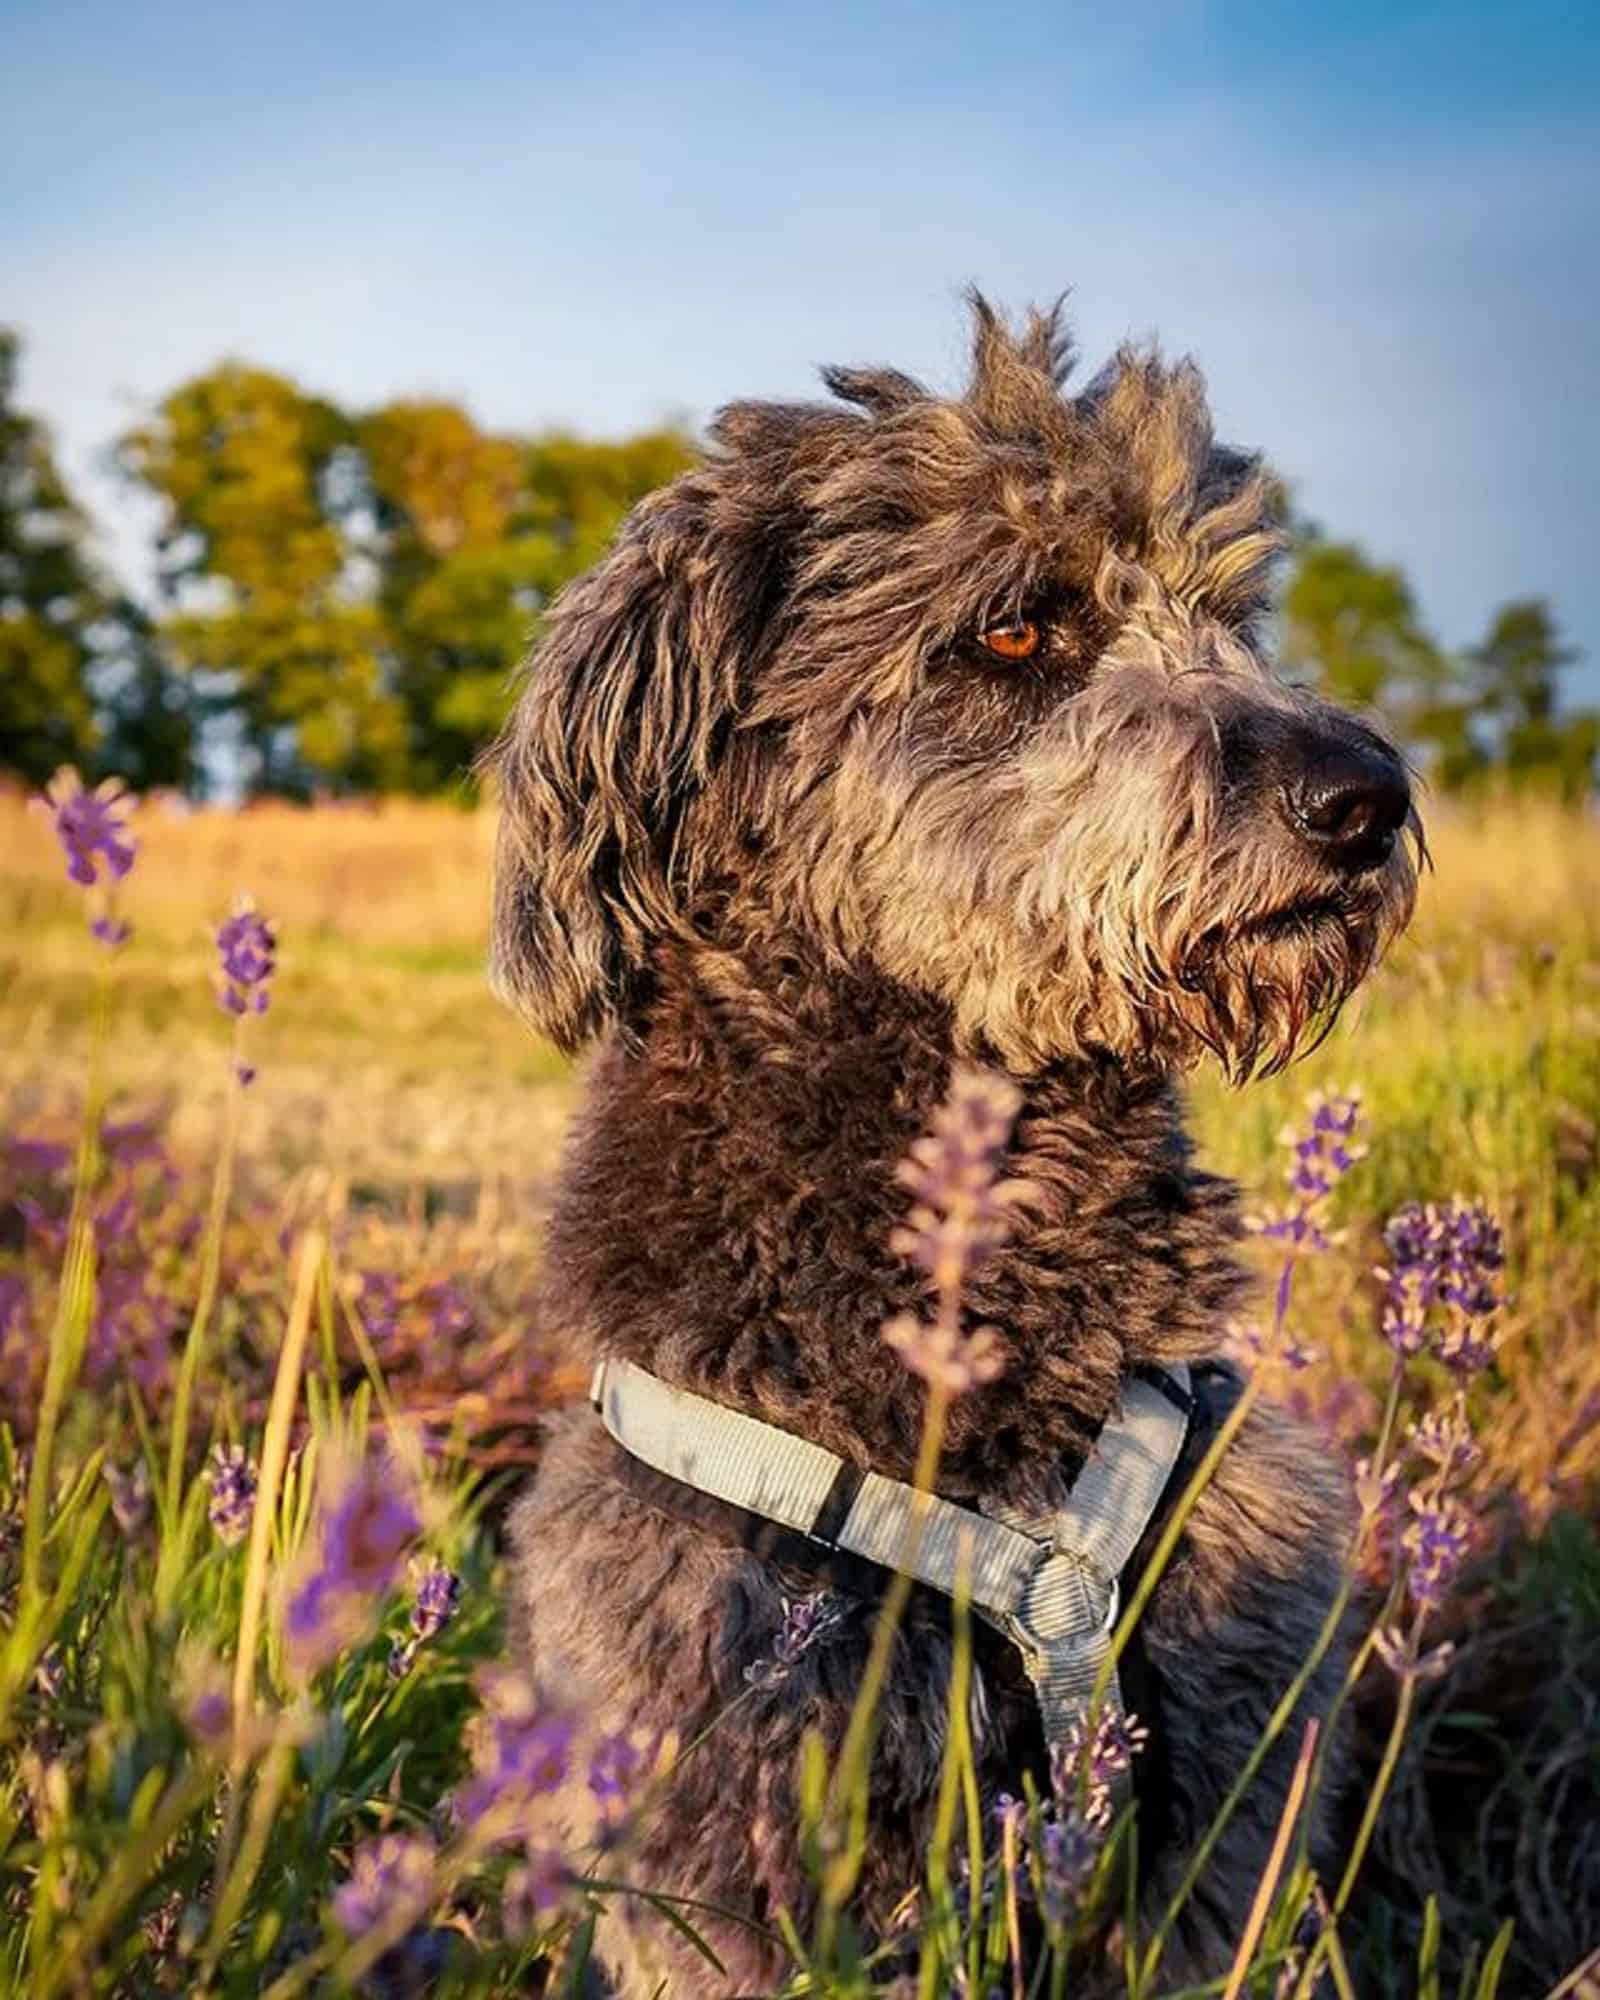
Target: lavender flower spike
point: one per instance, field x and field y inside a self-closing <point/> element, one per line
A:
<point x="247" y="947"/>
<point x="91" y="826"/>
<point x="232" y="1479"/>
<point x="438" y="1593"/>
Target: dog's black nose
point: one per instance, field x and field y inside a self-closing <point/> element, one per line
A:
<point x="1349" y="801"/>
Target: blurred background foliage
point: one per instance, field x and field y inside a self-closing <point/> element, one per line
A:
<point x="343" y="597"/>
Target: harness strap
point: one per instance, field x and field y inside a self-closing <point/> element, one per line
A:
<point x="1050" y="1583"/>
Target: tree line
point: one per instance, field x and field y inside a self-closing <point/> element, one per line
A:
<point x="342" y="597"/>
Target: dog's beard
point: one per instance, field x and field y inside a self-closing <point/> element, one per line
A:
<point x="1256" y="997"/>
<point x="1251" y="991"/>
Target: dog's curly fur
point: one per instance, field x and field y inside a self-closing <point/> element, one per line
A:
<point x="787" y="837"/>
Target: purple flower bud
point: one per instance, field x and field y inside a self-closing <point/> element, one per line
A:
<point x="232" y="1479"/>
<point x="438" y="1594"/>
<point x="91" y="826"/>
<point x="247" y="949"/>
<point x="1435" y="1542"/>
<point x="1399" y="1654"/>
<point x="806" y="1622"/>
<point x="1069" y="1847"/>
<point x="961" y="1208"/>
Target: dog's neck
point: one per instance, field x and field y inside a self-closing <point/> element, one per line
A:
<point x="729" y="1191"/>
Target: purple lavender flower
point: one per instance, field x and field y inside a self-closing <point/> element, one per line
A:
<point x="1320" y="1155"/>
<point x="1069" y="1847"/>
<point x="1442" y="1256"/>
<point x="208" y="1713"/>
<point x="247" y="947"/>
<point x="365" y="1522"/>
<point x="110" y="931"/>
<point x="944" y="1355"/>
<point x="91" y="826"/>
<point x="1435" y="1542"/>
<point x="1104" y="1755"/>
<point x="962" y="1209"/>
<point x="523" y="1752"/>
<point x="1398" y="1652"/>
<point x="316" y="1624"/>
<point x="438" y="1593"/>
<point x="395" y="1870"/>
<point x="1465" y="1348"/>
<point x="1404" y="1324"/>
<point x="806" y="1622"/>
<point x="1444" y="1438"/>
<point x="232" y="1479"/>
<point x="38" y="1159"/>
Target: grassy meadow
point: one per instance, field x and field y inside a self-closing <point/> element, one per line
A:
<point x="403" y="1125"/>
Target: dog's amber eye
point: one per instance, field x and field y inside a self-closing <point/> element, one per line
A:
<point x="1018" y="640"/>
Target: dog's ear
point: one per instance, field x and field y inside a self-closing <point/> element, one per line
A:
<point x="631" y="685"/>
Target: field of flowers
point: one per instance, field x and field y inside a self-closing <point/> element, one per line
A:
<point x="272" y="1167"/>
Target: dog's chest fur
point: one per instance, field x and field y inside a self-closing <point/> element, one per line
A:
<point x="729" y="1194"/>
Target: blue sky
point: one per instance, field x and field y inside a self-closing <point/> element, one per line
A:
<point x="1377" y="227"/>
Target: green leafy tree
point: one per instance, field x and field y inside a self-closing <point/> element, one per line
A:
<point x="473" y="536"/>
<point x="1352" y="626"/>
<point x="264" y="606"/>
<point x="83" y="678"/>
<point x="359" y="590"/>
<point x="1515" y="672"/>
<point x="148" y="713"/>
<point x="50" y="599"/>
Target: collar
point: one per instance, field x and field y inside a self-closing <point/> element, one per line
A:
<point x="1050" y="1582"/>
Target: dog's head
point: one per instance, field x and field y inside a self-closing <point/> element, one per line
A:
<point x="966" y="691"/>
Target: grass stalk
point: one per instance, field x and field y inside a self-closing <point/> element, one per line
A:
<point x="274" y="1457"/>
<point x="1267" y="1887"/>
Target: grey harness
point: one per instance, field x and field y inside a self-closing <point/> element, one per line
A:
<point x="1050" y="1583"/>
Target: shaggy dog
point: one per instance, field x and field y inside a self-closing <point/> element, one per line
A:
<point x="908" y="730"/>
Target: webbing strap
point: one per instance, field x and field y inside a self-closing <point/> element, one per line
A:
<point x="1051" y="1582"/>
<point x="1071" y="1605"/>
<point x="755" y="1465"/>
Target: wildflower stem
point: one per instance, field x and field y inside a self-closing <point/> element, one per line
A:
<point x="234" y="1886"/>
<point x="850" y="1781"/>
<point x="210" y="1277"/>
<point x="951" y="1771"/>
<point x="1281" y="1715"/>
<point x="1358" y="1663"/>
<point x="1266" y="1888"/>
<point x="1376" y="1794"/>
